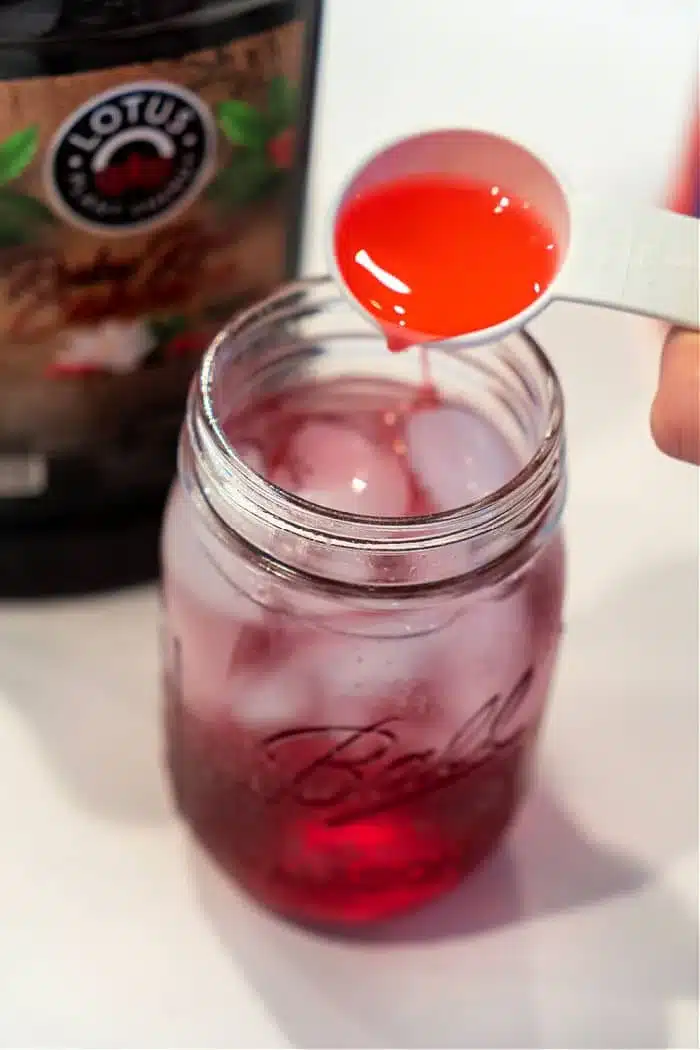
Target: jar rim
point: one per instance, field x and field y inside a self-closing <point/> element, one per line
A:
<point x="525" y="502"/>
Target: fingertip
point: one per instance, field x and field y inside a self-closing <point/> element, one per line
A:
<point x="675" y="413"/>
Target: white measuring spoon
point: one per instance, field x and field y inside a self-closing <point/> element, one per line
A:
<point x="638" y="259"/>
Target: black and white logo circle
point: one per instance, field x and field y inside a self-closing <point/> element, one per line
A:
<point x="131" y="157"/>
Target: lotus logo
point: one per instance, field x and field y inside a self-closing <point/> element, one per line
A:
<point x="131" y="157"/>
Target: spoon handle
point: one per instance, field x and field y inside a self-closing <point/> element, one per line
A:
<point x="641" y="260"/>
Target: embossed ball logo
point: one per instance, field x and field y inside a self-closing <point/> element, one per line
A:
<point x="131" y="157"/>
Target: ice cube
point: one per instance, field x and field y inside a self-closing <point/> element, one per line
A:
<point x="207" y="642"/>
<point x="252" y="456"/>
<point x="335" y="466"/>
<point x="362" y="679"/>
<point x="457" y="456"/>
<point x="483" y="655"/>
<point x="192" y="558"/>
<point x="267" y="700"/>
<point x="283" y="479"/>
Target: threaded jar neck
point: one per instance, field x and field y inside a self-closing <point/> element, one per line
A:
<point x="306" y="333"/>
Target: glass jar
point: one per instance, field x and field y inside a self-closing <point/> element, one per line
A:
<point x="352" y="701"/>
<point x="152" y="177"/>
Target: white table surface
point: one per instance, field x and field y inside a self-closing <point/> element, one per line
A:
<point x="115" y="932"/>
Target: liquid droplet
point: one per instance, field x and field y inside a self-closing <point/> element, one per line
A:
<point x="397" y="343"/>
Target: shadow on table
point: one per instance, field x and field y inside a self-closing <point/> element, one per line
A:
<point x="475" y="968"/>
<point x="487" y="966"/>
<point x="471" y="970"/>
<point x="89" y="690"/>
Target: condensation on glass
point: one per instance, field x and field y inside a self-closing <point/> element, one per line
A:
<point x="353" y="702"/>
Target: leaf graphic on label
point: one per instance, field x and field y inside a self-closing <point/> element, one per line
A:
<point x="241" y="124"/>
<point x="17" y="152"/>
<point x="22" y="218"/>
<point x="281" y="103"/>
<point x="165" y="328"/>
<point x="247" y="178"/>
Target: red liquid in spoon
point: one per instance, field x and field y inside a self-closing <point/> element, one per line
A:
<point x="438" y="257"/>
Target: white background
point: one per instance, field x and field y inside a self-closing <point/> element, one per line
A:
<point x="114" y="932"/>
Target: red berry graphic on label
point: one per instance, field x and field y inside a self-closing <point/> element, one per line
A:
<point x="132" y="156"/>
<point x="68" y="370"/>
<point x="185" y="344"/>
<point x="280" y="149"/>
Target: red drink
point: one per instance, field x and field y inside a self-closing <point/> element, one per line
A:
<point x="346" y="752"/>
<point x="685" y="197"/>
<point x="440" y="256"/>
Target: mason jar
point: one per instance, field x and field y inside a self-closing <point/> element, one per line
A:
<point x="363" y="575"/>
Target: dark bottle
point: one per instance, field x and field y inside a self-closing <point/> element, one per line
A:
<point x="152" y="177"/>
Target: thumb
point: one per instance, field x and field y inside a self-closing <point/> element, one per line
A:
<point x="675" y="414"/>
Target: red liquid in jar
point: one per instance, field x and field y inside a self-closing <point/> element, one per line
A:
<point x="345" y="764"/>
<point x="439" y="256"/>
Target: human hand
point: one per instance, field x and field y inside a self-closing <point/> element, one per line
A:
<point x="675" y="414"/>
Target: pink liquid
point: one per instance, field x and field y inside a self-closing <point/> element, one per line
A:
<point x="342" y="763"/>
